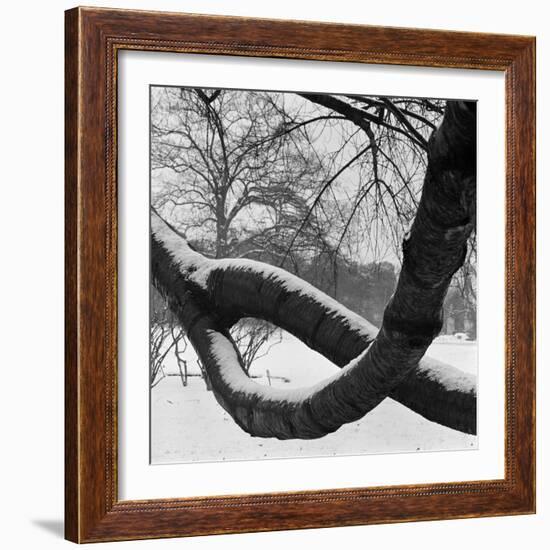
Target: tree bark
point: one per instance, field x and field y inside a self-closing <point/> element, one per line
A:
<point x="208" y="296"/>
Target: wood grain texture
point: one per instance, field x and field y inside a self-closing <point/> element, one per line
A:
<point x="93" y="38"/>
<point x="71" y="286"/>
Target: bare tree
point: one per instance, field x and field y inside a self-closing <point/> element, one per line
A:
<point x="209" y="295"/>
<point x="254" y="338"/>
<point x="216" y="158"/>
<point x="162" y="340"/>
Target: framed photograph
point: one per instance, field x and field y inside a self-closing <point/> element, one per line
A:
<point x="300" y="275"/>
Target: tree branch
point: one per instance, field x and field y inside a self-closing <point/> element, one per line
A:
<point x="203" y="292"/>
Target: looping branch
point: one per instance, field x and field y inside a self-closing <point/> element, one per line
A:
<point x="208" y="296"/>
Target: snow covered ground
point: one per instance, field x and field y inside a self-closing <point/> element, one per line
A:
<point x="188" y="425"/>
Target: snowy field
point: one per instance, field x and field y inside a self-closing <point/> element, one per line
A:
<point x="188" y="425"/>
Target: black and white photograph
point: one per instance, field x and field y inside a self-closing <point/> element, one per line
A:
<point x="313" y="274"/>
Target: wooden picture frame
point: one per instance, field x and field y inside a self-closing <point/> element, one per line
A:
<point x="93" y="511"/>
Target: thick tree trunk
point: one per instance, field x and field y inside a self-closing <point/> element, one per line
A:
<point x="209" y="295"/>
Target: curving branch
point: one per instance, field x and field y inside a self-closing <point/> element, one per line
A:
<point x="208" y="296"/>
<point x="361" y="117"/>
